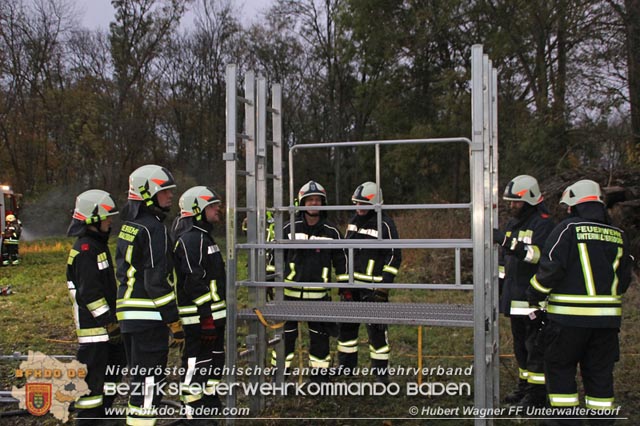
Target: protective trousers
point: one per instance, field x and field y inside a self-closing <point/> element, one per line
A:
<point x="319" y="352"/>
<point x="147" y="353"/>
<point x="97" y="356"/>
<point x="519" y="325"/>
<point x="378" y="347"/>
<point x="10" y="252"/>
<point x="202" y="363"/>
<point x="535" y="357"/>
<point x="595" y="349"/>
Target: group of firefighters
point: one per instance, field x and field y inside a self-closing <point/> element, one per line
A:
<point x="170" y="290"/>
<point x="371" y="266"/>
<point x="561" y="289"/>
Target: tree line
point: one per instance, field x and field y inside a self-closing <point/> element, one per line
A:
<point x="82" y="108"/>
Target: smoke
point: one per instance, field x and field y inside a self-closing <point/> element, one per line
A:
<point x="49" y="214"/>
<point x="27" y="235"/>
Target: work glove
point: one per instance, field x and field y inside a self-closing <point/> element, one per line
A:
<point x="377" y="295"/>
<point x="517" y="248"/>
<point x="346" y="295"/>
<point x="512" y="246"/>
<point x="538" y="319"/>
<point x="499" y="237"/>
<point x="208" y="333"/>
<point x="177" y="335"/>
<point x="113" y="329"/>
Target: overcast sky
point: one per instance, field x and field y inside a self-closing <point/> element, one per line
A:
<point x="98" y="13"/>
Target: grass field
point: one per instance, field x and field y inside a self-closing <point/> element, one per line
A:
<point x="38" y="317"/>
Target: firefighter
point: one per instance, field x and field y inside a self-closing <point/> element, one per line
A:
<point x="521" y="244"/>
<point x="311" y="265"/>
<point x="11" y="240"/>
<point x="92" y="289"/>
<point x="584" y="270"/>
<point x="146" y="305"/>
<point x="371" y="266"/>
<point x="200" y="287"/>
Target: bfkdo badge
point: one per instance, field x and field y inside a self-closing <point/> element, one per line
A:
<point x="38" y="398"/>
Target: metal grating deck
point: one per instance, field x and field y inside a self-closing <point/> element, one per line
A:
<point x="366" y="312"/>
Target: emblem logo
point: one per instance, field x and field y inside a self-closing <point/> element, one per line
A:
<point x="38" y="398"/>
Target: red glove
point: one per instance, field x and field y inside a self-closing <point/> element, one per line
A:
<point x="345" y="295"/>
<point x="208" y="332"/>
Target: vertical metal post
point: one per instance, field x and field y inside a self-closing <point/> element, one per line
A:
<point x="231" y="225"/>
<point x="379" y="184"/>
<point x="494" y="224"/>
<point x="255" y="328"/>
<point x="261" y="212"/>
<point x="458" y="266"/>
<point x="489" y="316"/>
<point x="260" y="179"/>
<point x="278" y="201"/>
<point x="250" y="164"/>
<point x="276" y="120"/>
<point x="477" y="230"/>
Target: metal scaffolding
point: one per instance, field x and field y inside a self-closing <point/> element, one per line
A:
<point x="253" y="165"/>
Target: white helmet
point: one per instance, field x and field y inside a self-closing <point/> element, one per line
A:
<point x="194" y="200"/>
<point x="523" y="188"/>
<point x="146" y="181"/>
<point x="10" y="218"/>
<point x="312" y="188"/>
<point x="583" y="191"/>
<point x="367" y="193"/>
<point x="94" y="205"/>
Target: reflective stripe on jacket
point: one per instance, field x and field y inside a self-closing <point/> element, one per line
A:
<point x="585" y="269"/>
<point x="312" y="265"/>
<point x="201" y="277"/>
<point x="92" y="288"/>
<point x="145" y="273"/>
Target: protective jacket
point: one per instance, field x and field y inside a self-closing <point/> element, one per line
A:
<point x="526" y="236"/>
<point x="200" y="269"/>
<point x="585" y="268"/>
<point x="92" y="286"/>
<point x="374" y="265"/>
<point x="12" y="232"/>
<point x="312" y="265"/>
<point x="145" y="295"/>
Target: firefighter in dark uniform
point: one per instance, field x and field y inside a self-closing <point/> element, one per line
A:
<point x="311" y="265"/>
<point x="92" y="290"/>
<point x="146" y="306"/>
<point x="11" y="241"/>
<point x="200" y="287"/>
<point x="521" y="245"/>
<point x="585" y="269"/>
<point x="371" y="266"/>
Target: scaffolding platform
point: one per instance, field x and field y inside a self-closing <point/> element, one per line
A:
<point x="444" y="315"/>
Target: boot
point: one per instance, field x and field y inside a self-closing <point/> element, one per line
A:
<point x="518" y="393"/>
<point x="535" y="396"/>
